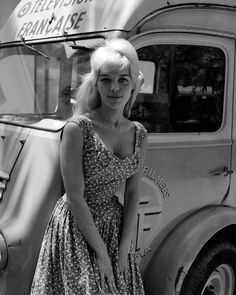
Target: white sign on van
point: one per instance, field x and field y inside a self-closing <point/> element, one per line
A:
<point x="37" y="19"/>
<point x="44" y="17"/>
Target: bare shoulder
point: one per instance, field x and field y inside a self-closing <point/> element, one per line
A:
<point x="129" y="125"/>
<point x="136" y="125"/>
<point x="72" y="131"/>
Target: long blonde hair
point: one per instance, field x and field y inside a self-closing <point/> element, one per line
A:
<point x="118" y="54"/>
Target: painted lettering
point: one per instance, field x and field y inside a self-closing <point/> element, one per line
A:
<point x="49" y="4"/>
<point x="71" y="18"/>
<point x="157" y="179"/>
<point x="34" y="28"/>
<point x="58" y="25"/>
<point x="42" y="26"/>
<point x="58" y="3"/>
<point x="165" y="191"/>
<point x="39" y="6"/>
<point x="24" y="9"/>
<point x="61" y="22"/>
<point x="145" y="169"/>
<point x="80" y="19"/>
<point x="68" y="3"/>
<point x="28" y="27"/>
<point x="43" y="6"/>
<point x="49" y="29"/>
<point x="40" y="3"/>
<point x="22" y="30"/>
<point x="35" y="5"/>
<point x="81" y="1"/>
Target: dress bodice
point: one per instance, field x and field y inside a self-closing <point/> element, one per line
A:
<point x="104" y="172"/>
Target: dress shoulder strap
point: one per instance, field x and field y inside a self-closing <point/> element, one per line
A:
<point x="141" y="132"/>
<point x="84" y="125"/>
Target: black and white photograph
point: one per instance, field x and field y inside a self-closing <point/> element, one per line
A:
<point x="117" y="147"/>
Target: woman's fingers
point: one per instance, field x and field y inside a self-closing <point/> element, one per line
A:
<point x="102" y="280"/>
<point x="111" y="284"/>
<point x="106" y="274"/>
<point x="125" y="273"/>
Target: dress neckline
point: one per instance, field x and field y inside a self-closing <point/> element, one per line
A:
<point x="100" y="141"/>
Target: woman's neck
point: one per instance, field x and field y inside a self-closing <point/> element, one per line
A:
<point x="111" y="118"/>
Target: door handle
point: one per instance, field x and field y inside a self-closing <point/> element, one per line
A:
<point x="225" y="171"/>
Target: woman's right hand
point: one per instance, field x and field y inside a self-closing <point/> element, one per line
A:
<point x="106" y="272"/>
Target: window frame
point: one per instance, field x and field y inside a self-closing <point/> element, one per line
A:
<point x="225" y="43"/>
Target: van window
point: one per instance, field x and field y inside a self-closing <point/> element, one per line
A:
<point x="38" y="82"/>
<point x="183" y="90"/>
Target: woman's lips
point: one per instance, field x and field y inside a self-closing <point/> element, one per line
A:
<point x="114" y="97"/>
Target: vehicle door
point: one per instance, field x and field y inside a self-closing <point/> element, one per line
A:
<point x="35" y="92"/>
<point x="186" y="106"/>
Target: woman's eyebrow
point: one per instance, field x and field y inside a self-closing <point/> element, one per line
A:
<point x="107" y="75"/>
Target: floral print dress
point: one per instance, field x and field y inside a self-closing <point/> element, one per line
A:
<point x="66" y="264"/>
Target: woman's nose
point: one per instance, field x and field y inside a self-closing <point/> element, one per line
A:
<point x="115" y="87"/>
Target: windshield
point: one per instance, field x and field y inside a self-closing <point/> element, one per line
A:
<point x="38" y="82"/>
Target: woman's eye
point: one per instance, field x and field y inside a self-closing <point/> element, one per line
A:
<point x="123" y="80"/>
<point x="105" y="80"/>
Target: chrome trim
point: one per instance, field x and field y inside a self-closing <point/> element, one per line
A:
<point x="3" y="252"/>
<point x="2" y="185"/>
<point x="4" y="175"/>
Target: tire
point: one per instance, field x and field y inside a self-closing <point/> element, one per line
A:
<point x="214" y="270"/>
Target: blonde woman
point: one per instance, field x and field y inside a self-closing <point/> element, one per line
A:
<point x="87" y="247"/>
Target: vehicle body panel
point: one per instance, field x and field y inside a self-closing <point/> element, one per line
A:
<point x="184" y="173"/>
<point x="47" y="19"/>
<point x="189" y="238"/>
<point x="33" y="187"/>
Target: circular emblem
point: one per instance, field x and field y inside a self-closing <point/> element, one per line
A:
<point x="24" y="9"/>
<point x="149" y="214"/>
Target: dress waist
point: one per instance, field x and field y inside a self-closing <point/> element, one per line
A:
<point x="100" y="208"/>
<point x="105" y="208"/>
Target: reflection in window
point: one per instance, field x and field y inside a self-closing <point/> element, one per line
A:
<point x="188" y="89"/>
<point x="17" y="87"/>
<point x="47" y="74"/>
<point x="34" y="88"/>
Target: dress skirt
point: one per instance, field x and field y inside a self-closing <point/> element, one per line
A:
<point x="67" y="265"/>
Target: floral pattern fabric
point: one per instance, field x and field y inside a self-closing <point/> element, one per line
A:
<point x="66" y="264"/>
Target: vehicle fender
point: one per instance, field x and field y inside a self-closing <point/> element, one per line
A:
<point x="172" y="260"/>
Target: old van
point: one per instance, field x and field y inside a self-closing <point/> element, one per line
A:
<point x="186" y="225"/>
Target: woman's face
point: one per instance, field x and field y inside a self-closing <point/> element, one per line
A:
<point x="115" y="87"/>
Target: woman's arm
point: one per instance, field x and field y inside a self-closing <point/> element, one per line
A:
<point x="71" y="160"/>
<point x="131" y="202"/>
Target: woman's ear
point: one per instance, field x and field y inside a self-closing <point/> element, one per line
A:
<point x="140" y="81"/>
